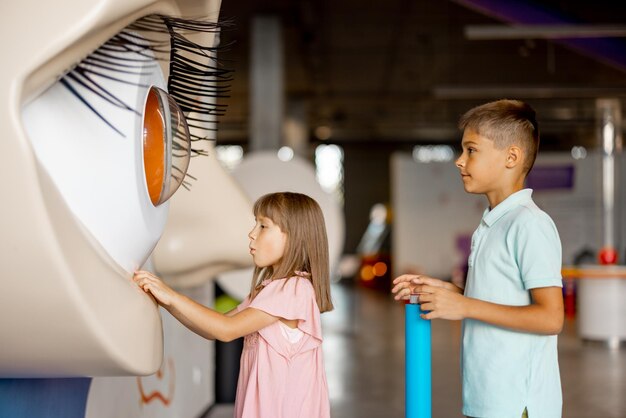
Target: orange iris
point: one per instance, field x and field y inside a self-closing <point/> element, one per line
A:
<point x="154" y="147"/>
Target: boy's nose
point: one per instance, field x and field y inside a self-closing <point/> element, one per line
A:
<point x="459" y="162"/>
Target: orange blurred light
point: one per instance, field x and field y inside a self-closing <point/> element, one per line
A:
<point x="367" y="273"/>
<point x="379" y="269"/>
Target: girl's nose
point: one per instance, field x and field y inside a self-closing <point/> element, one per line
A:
<point x="459" y="162"/>
<point x="252" y="234"/>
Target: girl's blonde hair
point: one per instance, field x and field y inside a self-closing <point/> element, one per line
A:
<point x="301" y="219"/>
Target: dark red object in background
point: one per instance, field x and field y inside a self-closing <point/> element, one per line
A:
<point x="607" y="255"/>
<point x="569" y="297"/>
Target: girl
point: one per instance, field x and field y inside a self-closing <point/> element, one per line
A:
<point x="282" y="370"/>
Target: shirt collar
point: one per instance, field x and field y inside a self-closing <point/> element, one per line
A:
<point x="491" y="216"/>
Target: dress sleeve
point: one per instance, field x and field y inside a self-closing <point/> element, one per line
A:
<point x="292" y="299"/>
<point x="538" y="253"/>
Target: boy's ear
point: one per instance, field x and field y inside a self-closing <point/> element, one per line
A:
<point x="514" y="156"/>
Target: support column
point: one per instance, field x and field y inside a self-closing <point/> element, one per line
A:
<point x="266" y="84"/>
<point x="610" y="127"/>
<point x="602" y="288"/>
<point x="297" y="127"/>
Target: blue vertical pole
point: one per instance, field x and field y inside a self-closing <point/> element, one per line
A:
<point x="417" y="362"/>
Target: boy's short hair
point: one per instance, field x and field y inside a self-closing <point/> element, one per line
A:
<point x="506" y="122"/>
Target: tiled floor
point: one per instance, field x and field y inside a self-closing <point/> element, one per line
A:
<point x="364" y="354"/>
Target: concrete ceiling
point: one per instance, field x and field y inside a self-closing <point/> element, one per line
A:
<point x="403" y="71"/>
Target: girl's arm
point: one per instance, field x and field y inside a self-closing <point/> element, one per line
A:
<point x="543" y="316"/>
<point x="198" y="318"/>
<point x="213" y="325"/>
<point x="231" y="312"/>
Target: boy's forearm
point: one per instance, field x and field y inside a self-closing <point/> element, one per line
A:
<point x="534" y="318"/>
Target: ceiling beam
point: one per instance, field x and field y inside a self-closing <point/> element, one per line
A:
<point x="609" y="51"/>
<point x="524" y="91"/>
<point x="565" y="31"/>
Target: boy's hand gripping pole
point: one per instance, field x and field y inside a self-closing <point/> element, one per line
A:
<point x="417" y="361"/>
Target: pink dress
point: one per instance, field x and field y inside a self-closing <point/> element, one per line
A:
<point x="279" y="378"/>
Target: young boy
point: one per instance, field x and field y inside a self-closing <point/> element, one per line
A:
<point x="512" y="305"/>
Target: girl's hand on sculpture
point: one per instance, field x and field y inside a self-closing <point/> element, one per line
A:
<point x="150" y="283"/>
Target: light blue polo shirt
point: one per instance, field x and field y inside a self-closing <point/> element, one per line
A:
<point x="515" y="248"/>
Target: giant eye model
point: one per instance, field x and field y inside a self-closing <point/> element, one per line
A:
<point x="95" y="105"/>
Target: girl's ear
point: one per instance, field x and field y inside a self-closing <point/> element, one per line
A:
<point x="514" y="156"/>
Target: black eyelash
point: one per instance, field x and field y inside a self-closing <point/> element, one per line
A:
<point x="195" y="76"/>
<point x="189" y="78"/>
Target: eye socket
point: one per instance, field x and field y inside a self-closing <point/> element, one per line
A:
<point x="166" y="145"/>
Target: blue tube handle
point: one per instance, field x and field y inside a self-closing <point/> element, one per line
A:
<point x="418" y="396"/>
